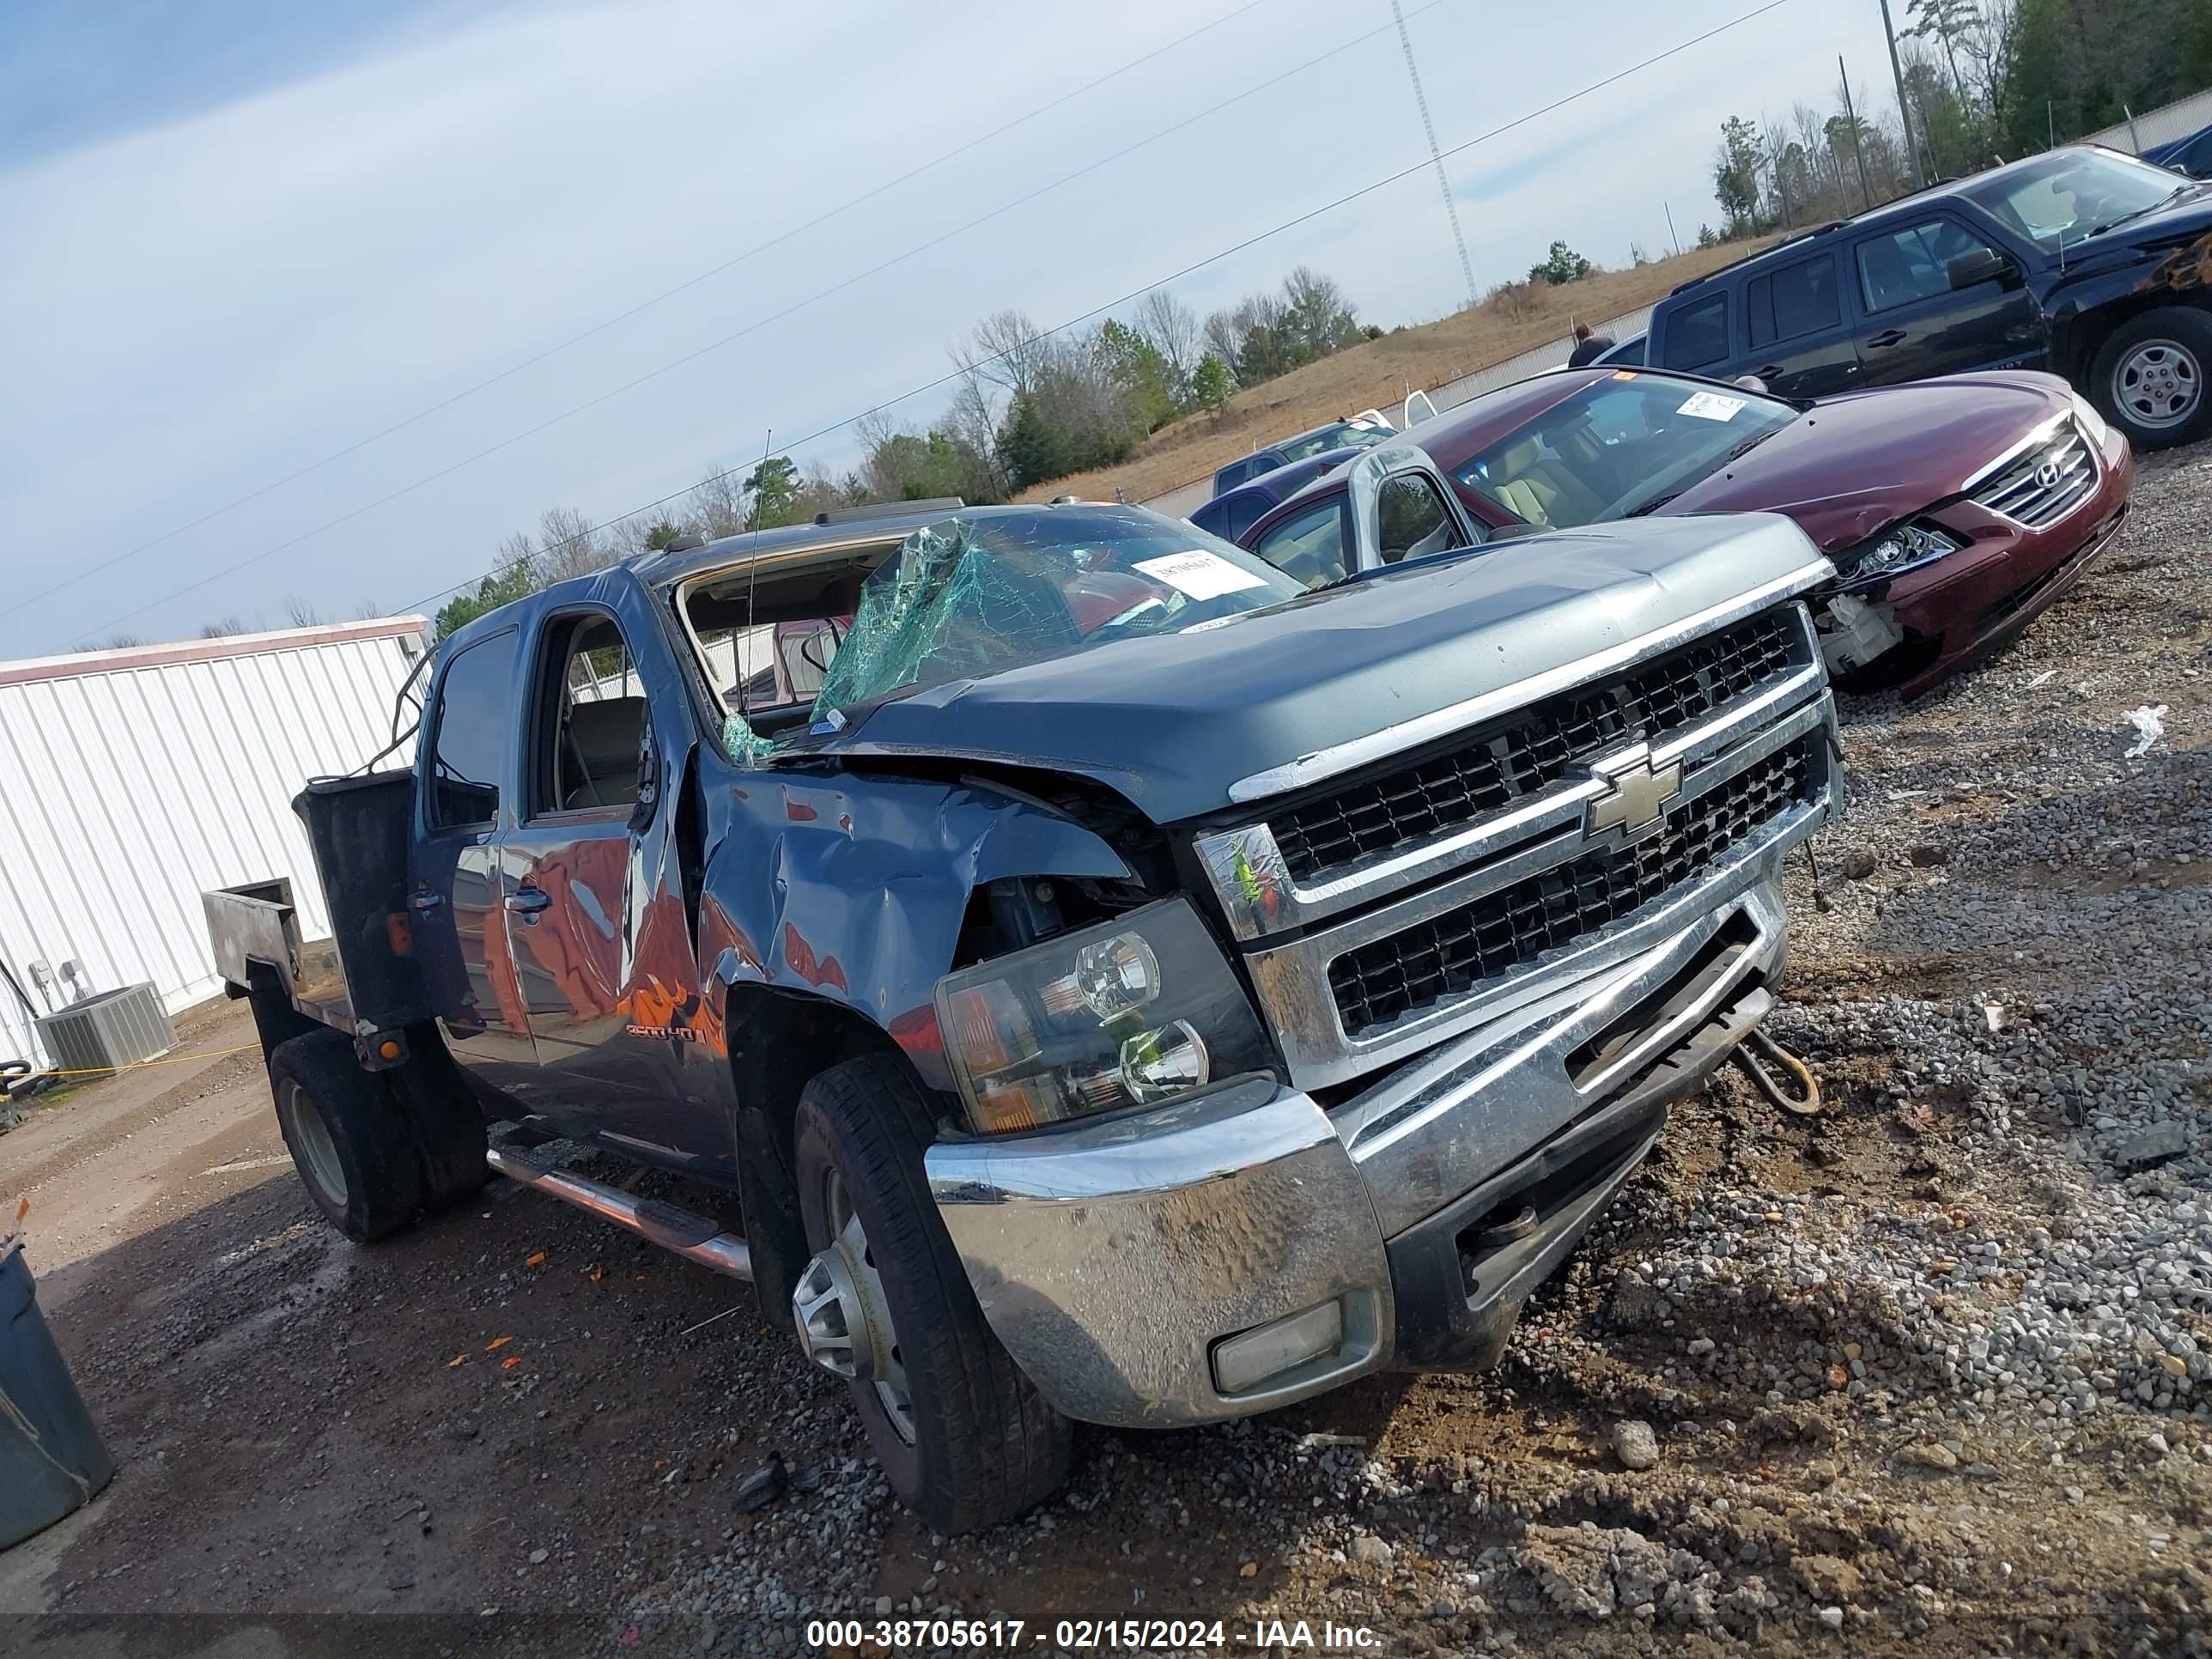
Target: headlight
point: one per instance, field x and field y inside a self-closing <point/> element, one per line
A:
<point x="1907" y="547"/>
<point x="2092" y="422"/>
<point x="1130" y="1012"/>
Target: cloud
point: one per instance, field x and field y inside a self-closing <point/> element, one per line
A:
<point x="211" y="303"/>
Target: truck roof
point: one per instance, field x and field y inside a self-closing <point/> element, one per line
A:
<point x="665" y="567"/>
<point x="1941" y="188"/>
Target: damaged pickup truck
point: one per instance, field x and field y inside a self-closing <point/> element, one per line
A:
<point x="1112" y="981"/>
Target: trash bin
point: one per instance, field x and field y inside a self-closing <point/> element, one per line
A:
<point x="50" y="1456"/>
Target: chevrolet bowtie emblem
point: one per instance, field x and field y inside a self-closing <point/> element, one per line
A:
<point x="1636" y="795"/>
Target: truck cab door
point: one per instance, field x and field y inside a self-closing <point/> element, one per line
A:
<point x="1803" y="342"/>
<point x="596" y="909"/>
<point x="1940" y="297"/>
<point x="463" y="807"/>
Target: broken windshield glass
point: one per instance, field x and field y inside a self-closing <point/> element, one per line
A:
<point x="967" y="597"/>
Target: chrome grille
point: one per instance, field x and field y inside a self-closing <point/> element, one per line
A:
<point x="1446" y="957"/>
<point x="1535" y="747"/>
<point x="2044" y="484"/>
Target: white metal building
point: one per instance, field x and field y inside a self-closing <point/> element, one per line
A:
<point x="132" y="781"/>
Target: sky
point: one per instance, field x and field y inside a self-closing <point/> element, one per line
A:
<point x="258" y="258"/>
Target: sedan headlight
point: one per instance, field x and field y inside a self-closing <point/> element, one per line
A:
<point x="1905" y="547"/>
<point x="1130" y="1012"/>
<point x="2092" y="422"/>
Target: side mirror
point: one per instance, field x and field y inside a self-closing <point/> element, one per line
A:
<point x="1982" y="265"/>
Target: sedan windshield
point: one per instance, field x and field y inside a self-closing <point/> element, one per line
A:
<point x="1620" y="447"/>
<point x="2061" y="199"/>
<point x="965" y="598"/>
<point x="1343" y="434"/>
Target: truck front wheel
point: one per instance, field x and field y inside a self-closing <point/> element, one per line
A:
<point x="965" y="1439"/>
<point x="2149" y="378"/>
<point x="347" y="1137"/>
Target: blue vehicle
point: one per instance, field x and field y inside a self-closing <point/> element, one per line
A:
<point x="2191" y="154"/>
<point x="2086" y="262"/>
<point x="1362" y="431"/>
<point x="1230" y="514"/>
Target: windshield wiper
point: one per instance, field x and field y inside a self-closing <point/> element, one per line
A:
<point x="1642" y="508"/>
<point x="2171" y="196"/>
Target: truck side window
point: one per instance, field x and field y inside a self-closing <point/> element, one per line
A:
<point x="1912" y="263"/>
<point x="587" y="750"/>
<point x="1696" y="335"/>
<point x="476" y="701"/>
<point x="1411" y="518"/>
<point x="1799" y="299"/>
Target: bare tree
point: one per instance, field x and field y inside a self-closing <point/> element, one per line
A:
<point x="300" y="613"/>
<point x="1007" y="349"/>
<point x="716" y="505"/>
<point x="570" y="544"/>
<point x="223" y="628"/>
<point x="367" y="608"/>
<point x="1172" y="329"/>
<point x="1224" y="336"/>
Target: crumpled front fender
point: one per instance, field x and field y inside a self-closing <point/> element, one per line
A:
<point x="854" y="889"/>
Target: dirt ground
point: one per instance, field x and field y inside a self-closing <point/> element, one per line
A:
<point x="514" y="1430"/>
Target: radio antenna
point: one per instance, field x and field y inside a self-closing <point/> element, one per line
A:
<point x="752" y="587"/>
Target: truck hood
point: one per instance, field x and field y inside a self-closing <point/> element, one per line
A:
<point x="1173" y="722"/>
<point x="1857" y="464"/>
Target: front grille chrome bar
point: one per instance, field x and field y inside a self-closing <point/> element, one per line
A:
<point x="1293" y="980"/>
<point x="1260" y="893"/>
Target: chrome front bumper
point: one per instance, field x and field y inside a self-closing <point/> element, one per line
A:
<point x="1114" y="1259"/>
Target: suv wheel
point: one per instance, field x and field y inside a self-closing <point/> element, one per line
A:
<point x="965" y="1439"/>
<point x="2148" y="379"/>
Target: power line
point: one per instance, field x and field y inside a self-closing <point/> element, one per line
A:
<point x="1137" y="293"/>
<point x="1210" y="111"/>
<point x="1112" y="305"/>
<point x="716" y="475"/>
<point x="643" y="305"/>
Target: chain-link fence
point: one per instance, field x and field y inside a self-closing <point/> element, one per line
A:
<point x="2160" y="126"/>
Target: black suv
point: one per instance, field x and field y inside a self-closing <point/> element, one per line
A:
<point x="2083" y="261"/>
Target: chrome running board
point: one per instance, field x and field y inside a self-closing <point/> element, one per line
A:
<point x="669" y="1226"/>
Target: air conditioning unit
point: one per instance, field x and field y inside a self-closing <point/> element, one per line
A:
<point x="107" y="1032"/>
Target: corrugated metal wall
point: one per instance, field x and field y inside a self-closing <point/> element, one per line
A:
<point x="132" y="781"/>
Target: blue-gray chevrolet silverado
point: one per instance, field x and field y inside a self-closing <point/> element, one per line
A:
<point x="1110" y="980"/>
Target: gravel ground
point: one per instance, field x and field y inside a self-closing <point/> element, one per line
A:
<point x="1931" y="1373"/>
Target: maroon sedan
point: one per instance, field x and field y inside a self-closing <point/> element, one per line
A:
<point x="1953" y="509"/>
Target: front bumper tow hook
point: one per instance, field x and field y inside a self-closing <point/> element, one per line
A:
<point x="1757" y="1048"/>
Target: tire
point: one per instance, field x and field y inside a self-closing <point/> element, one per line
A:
<point x="347" y="1137"/>
<point x="443" y="1118"/>
<point x="979" y="1445"/>
<point x="2153" y="377"/>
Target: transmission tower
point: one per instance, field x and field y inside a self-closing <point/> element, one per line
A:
<point x="1435" y="154"/>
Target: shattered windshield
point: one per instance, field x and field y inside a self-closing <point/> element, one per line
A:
<point x="964" y="598"/>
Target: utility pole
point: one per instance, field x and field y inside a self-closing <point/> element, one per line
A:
<point x="1858" y="147"/>
<point x="1435" y="154"/>
<point x="1671" y="236"/>
<point x="1920" y="174"/>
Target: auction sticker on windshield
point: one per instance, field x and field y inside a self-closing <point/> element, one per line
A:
<point x="1712" y="406"/>
<point x="1199" y="574"/>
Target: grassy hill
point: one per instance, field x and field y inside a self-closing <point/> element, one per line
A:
<point x="1378" y="374"/>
